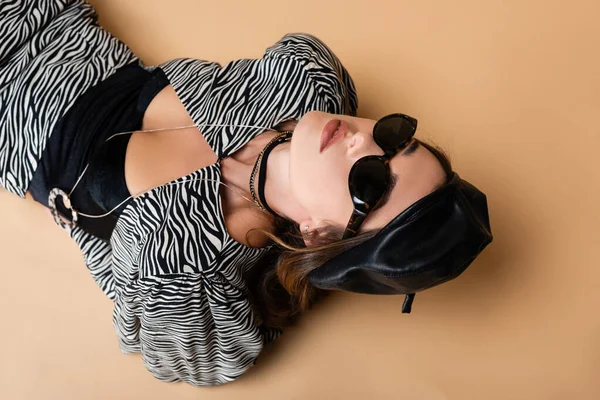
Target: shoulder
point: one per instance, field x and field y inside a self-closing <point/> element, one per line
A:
<point x="181" y="71"/>
<point x="178" y="228"/>
<point x="301" y="47"/>
<point x="323" y="68"/>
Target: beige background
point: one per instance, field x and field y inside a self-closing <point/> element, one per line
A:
<point x="510" y="88"/>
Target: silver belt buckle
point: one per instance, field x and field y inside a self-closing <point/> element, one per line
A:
<point x="60" y="221"/>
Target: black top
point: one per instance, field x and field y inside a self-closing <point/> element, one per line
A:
<point x="115" y="105"/>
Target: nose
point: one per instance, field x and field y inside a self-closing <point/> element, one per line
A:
<point x="355" y="142"/>
<point x="361" y="144"/>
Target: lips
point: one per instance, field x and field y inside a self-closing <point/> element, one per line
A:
<point x="333" y="131"/>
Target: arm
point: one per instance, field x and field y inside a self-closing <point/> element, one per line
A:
<point x="243" y="98"/>
<point x="194" y="328"/>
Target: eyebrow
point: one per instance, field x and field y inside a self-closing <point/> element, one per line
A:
<point x="411" y="148"/>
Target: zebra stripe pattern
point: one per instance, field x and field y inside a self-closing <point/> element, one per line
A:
<point x="50" y="53"/>
<point x="175" y="275"/>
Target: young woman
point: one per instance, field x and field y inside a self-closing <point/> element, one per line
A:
<point x="215" y="203"/>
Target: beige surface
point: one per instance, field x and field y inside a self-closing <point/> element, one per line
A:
<point x="509" y="88"/>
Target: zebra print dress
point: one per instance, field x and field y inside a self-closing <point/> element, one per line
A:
<point x="176" y="277"/>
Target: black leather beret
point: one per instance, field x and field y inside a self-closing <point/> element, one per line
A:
<point x="431" y="242"/>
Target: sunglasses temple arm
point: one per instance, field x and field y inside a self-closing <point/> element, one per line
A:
<point x="355" y="220"/>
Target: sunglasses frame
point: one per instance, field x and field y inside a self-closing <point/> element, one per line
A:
<point x="361" y="209"/>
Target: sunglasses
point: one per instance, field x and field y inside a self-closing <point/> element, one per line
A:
<point x="370" y="175"/>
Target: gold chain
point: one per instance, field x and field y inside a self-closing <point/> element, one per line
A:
<point x="255" y="169"/>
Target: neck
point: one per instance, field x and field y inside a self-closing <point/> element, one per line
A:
<point x="237" y="168"/>
<point x="277" y="183"/>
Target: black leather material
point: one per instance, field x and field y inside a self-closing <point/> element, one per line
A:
<point x="431" y="242"/>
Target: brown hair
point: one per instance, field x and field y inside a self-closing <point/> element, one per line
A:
<point x="278" y="282"/>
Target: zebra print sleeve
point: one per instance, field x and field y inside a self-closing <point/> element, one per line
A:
<point x="331" y="79"/>
<point x="197" y="328"/>
<point x="97" y="257"/>
<point x="241" y="99"/>
<point x="51" y="52"/>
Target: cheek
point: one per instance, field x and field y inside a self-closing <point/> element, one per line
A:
<point x="319" y="181"/>
<point x="321" y="188"/>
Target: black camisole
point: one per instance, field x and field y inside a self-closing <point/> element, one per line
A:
<point x="115" y="105"/>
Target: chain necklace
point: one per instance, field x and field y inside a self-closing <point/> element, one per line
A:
<point x="260" y="201"/>
<point x="69" y="225"/>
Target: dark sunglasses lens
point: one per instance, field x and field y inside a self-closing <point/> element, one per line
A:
<point x="368" y="180"/>
<point x="393" y="131"/>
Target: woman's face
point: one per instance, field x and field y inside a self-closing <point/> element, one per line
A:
<point x="319" y="179"/>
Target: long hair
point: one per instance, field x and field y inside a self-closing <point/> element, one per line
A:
<point x="278" y="282"/>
